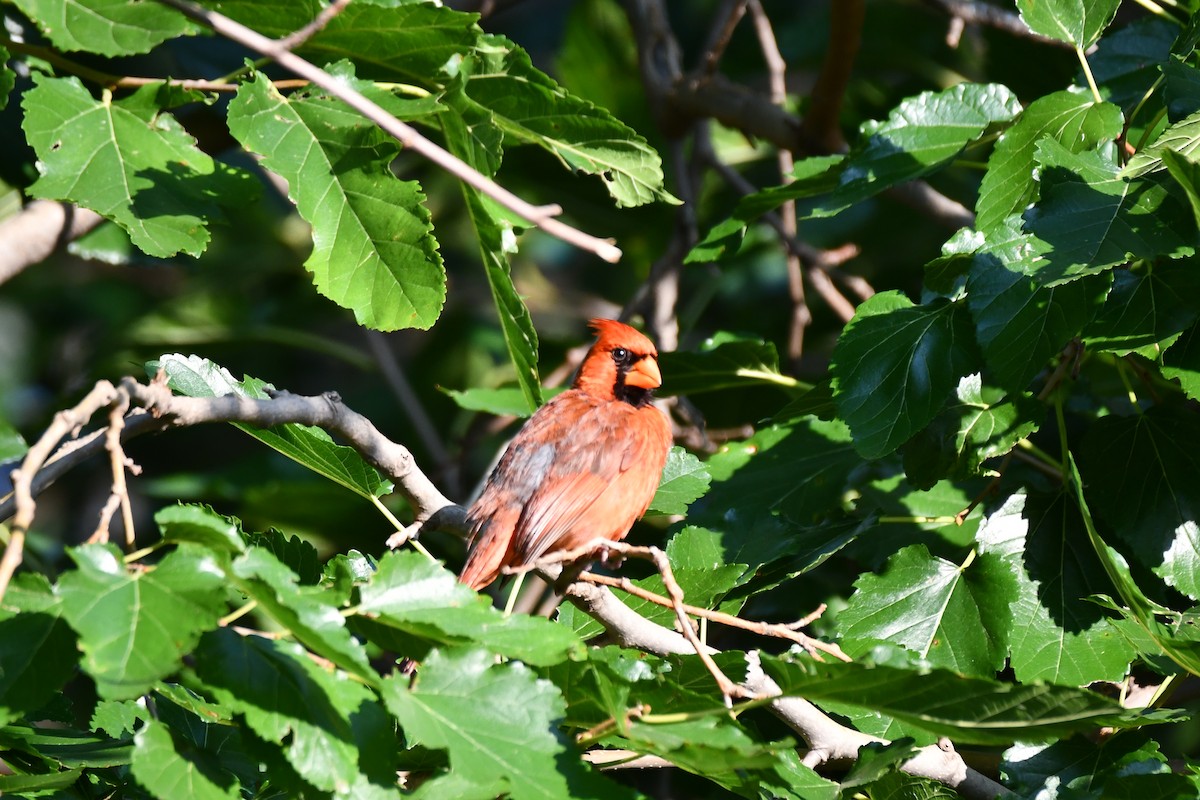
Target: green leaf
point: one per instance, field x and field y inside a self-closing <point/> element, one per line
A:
<point x="1072" y="21"/>
<point x="135" y="627"/>
<point x="989" y="424"/>
<point x="425" y="605"/>
<point x="955" y="616"/>
<point x="107" y="27"/>
<point x="373" y="248"/>
<point x="684" y="480"/>
<point x="1182" y="138"/>
<point x="1139" y="478"/>
<point x="26" y="785"/>
<point x="968" y="710"/>
<point x="922" y="135"/>
<point x="1147" y="305"/>
<point x="1093" y="219"/>
<point x="307" y="445"/>
<point x="1072" y="118"/>
<point x="1126" y="63"/>
<point x="723" y="361"/>
<point x="531" y="108"/>
<point x="504" y="402"/>
<point x="129" y="162"/>
<point x="1056" y="634"/>
<point x="1181" y="362"/>
<point x="201" y="525"/>
<point x="66" y="747"/>
<point x="1118" y="767"/>
<point x="305" y="611"/>
<point x="287" y="699"/>
<point x="895" y="365"/>
<point x="160" y="766"/>
<point x="797" y="470"/>
<point x="8" y="78"/>
<point x="1020" y="324"/>
<point x="37" y="657"/>
<point x="119" y="718"/>
<point x="1186" y="173"/>
<point x="494" y="720"/>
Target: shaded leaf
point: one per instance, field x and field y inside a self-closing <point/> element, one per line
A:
<point x="722" y="362"/>
<point x="159" y="765"/>
<point x="128" y="162"/>
<point x="1093" y="219"/>
<point x="1181" y="362"/>
<point x="1138" y="471"/>
<point x="942" y="702"/>
<point x="1147" y="305"/>
<point x="895" y="366"/>
<point x="1072" y="118"/>
<point x="37" y="657"/>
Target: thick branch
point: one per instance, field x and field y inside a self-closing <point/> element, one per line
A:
<point x="822" y="120"/>
<point x="542" y="216"/>
<point x="827" y="740"/>
<point x="31" y="236"/>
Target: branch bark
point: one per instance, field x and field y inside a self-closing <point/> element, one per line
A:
<point x="30" y="237"/>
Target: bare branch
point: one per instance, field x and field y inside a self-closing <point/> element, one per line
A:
<point x="42" y="226"/>
<point x="727" y="18"/>
<point x="822" y="118"/>
<point x="296" y="38"/>
<point x="541" y="216"/>
<point x="977" y="13"/>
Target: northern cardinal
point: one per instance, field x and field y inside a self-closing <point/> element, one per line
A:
<point x="585" y="466"/>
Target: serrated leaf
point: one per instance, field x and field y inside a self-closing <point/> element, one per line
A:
<point x="1115" y="767"/>
<point x="1186" y="173"/>
<point x="963" y="708"/>
<point x="128" y="162"/>
<point x="797" y="470"/>
<point x="1093" y="219"/>
<point x="1126" y="63"/>
<point x="8" y="78"/>
<point x="1138" y="471"/>
<point x="923" y="134"/>
<point x="289" y="700"/>
<point x="159" y="765"/>
<point x="895" y="366"/>
<point x="37" y="657"/>
<point x="201" y="525"/>
<point x="119" y="718"/>
<point x="723" y="361"/>
<point x="989" y="423"/>
<point x="504" y="402"/>
<point x="107" y="27"/>
<point x="955" y="616"/>
<point x="1181" y="362"/>
<point x="494" y="720"/>
<point x="684" y="480"/>
<point x="1072" y="118"/>
<point x="1077" y="22"/>
<point x="531" y="108"/>
<point x="1056" y="633"/>
<point x="373" y="247"/>
<point x="425" y="605"/>
<point x="1020" y="324"/>
<point x="309" y="446"/>
<point x="1147" y="305"/>
<point x="1183" y="138"/>
<point x="305" y="611"/>
<point x="135" y="627"/>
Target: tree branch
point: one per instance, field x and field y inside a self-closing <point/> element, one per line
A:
<point x="541" y="216"/>
<point x="822" y="119"/>
<point x="976" y="13"/>
<point x="42" y="226"/>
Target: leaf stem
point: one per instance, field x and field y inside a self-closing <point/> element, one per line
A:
<point x="238" y="613"/>
<point x="420" y="548"/>
<point x="918" y="520"/>
<point x="772" y="377"/>
<point x="1087" y="72"/>
<point x="137" y="555"/>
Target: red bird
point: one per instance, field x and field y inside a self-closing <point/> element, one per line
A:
<point x="584" y="467"/>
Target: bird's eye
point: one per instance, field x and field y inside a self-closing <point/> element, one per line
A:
<point x="620" y="355"/>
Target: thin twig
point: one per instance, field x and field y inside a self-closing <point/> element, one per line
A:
<point x="729" y="689"/>
<point x="979" y="13"/>
<point x="296" y="38"/>
<point x="120" y="462"/>
<point x="727" y="18"/>
<point x="541" y="216"/>
<point x="777" y="74"/>
<point x="64" y="424"/>
<point x="781" y="631"/>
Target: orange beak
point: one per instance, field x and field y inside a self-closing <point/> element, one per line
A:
<point x="644" y="374"/>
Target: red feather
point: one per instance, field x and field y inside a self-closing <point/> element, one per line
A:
<point x="585" y="466"/>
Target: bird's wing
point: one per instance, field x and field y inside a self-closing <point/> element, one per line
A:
<point x="603" y="475"/>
